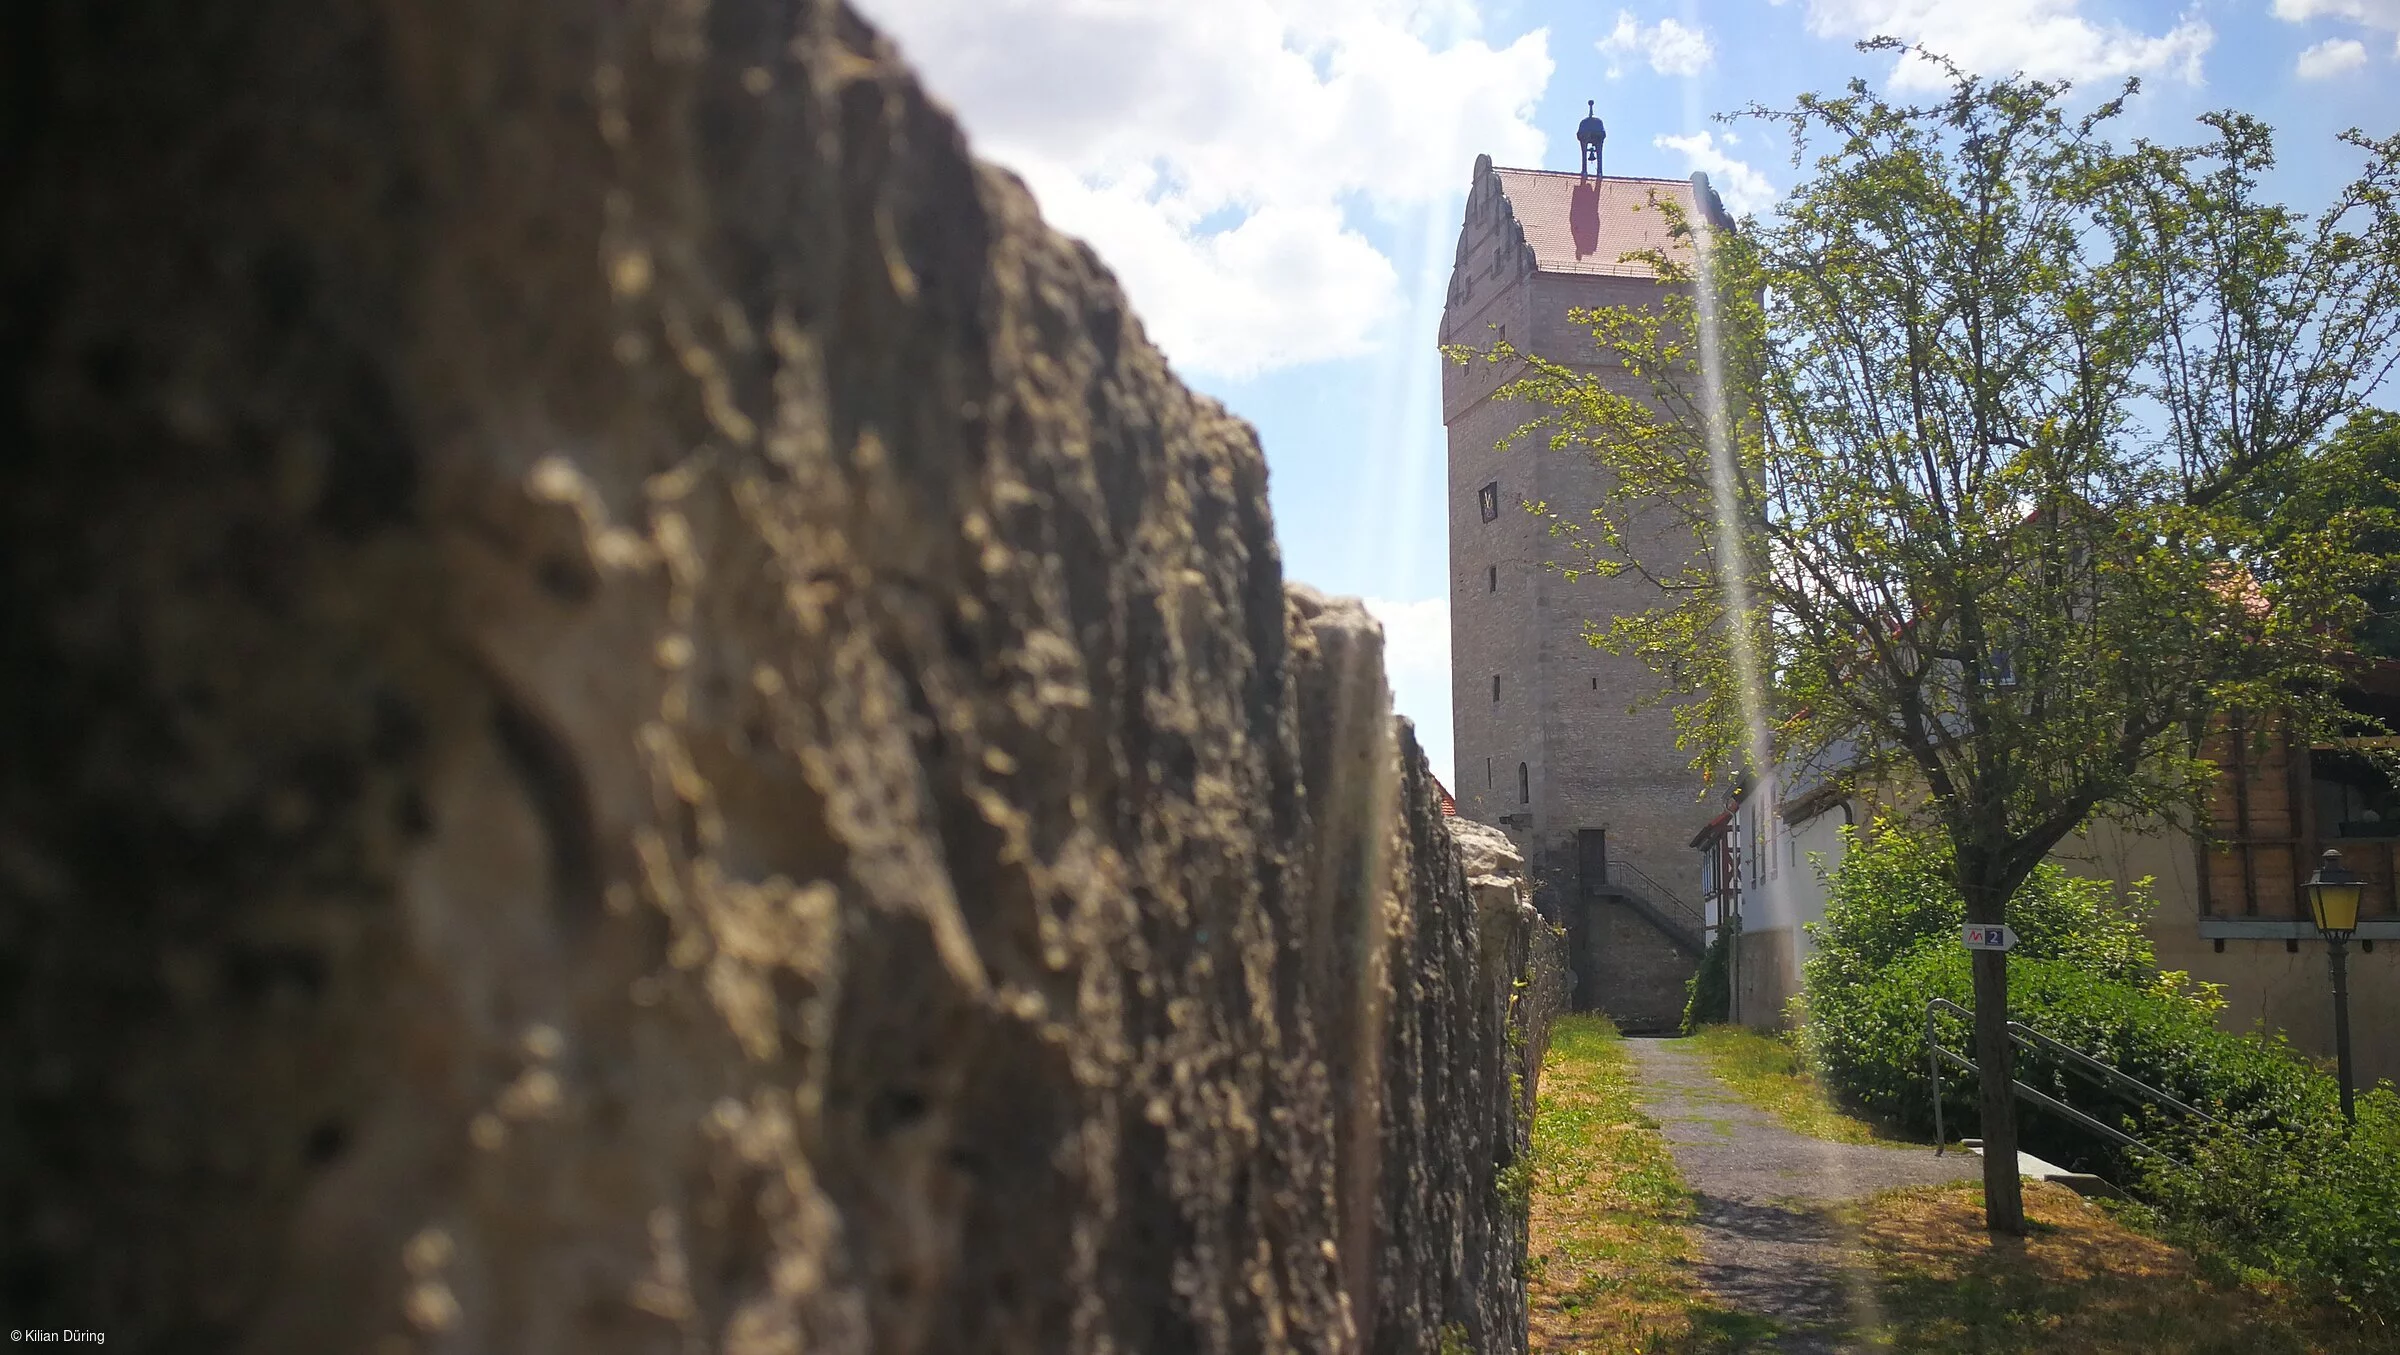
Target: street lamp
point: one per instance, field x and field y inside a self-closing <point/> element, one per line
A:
<point x="2333" y="895"/>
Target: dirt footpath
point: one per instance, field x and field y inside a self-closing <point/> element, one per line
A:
<point x="1768" y="1242"/>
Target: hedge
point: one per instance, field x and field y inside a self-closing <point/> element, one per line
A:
<point x="1868" y="1039"/>
<point x="2277" y="1182"/>
<point x="2314" y="1205"/>
<point x="1894" y="894"/>
<point x="1708" y="993"/>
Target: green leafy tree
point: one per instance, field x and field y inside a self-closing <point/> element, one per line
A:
<point x="1960" y="437"/>
<point x="2351" y="479"/>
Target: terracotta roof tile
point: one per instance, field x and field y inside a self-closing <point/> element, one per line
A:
<point x="1580" y="225"/>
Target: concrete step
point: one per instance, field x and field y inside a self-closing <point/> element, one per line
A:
<point x="2035" y="1169"/>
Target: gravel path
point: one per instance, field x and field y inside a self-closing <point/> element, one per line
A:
<point x="1768" y="1245"/>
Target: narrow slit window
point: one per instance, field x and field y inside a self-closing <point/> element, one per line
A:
<point x="1524" y="785"/>
<point x="1495" y="689"/>
<point x="1487" y="773"/>
<point x="1491" y="580"/>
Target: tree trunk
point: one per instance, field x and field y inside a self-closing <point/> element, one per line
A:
<point x="1986" y="889"/>
<point x="2003" y="1190"/>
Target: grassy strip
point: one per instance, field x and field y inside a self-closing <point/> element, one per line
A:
<point x="1610" y="1266"/>
<point x="1610" y="1270"/>
<point x="2082" y="1284"/>
<point x="1772" y="1075"/>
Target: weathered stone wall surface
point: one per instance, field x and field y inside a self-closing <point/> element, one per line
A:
<point x="1642" y="974"/>
<point x="634" y="717"/>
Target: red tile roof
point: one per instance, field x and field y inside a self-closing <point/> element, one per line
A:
<point x="1449" y="806"/>
<point x="1576" y="224"/>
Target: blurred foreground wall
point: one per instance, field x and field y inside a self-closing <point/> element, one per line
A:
<point x="634" y="717"/>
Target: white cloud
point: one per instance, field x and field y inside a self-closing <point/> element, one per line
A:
<point x="2333" y="56"/>
<point x="2383" y="14"/>
<point x="1669" y="47"/>
<point x="2374" y="13"/>
<point x="1416" y="661"/>
<point x="2046" y="39"/>
<point x="1212" y="153"/>
<point x="1744" y="189"/>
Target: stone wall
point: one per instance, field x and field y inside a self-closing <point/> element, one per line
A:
<point x="636" y="718"/>
<point x="1766" y="977"/>
<point x="1637" y="974"/>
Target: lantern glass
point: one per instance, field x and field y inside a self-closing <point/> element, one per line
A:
<point x="2333" y="896"/>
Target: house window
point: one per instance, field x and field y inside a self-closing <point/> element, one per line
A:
<point x="1491" y="579"/>
<point x="2003" y="668"/>
<point x="1758" y="847"/>
<point x="1524" y="785"/>
<point x="1595" y="684"/>
<point x="2353" y="798"/>
<point x="1487" y="773"/>
<point x="1495" y="689"/>
<point x="1488" y="499"/>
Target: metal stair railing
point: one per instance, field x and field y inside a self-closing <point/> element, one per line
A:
<point x="1670" y="912"/>
<point x="2026" y="1037"/>
<point x="1628" y="877"/>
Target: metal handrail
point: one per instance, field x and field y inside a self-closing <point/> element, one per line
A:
<point x="2045" y="1101"/>
<point x="1660" y="895"/>
<point x="2106" y="1072"/>
<point x="2027" y="1037"/>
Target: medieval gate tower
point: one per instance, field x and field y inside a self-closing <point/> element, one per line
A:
<point x="1600" y="800"/>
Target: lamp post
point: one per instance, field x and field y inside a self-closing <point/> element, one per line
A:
<point x="2333" y="895"/>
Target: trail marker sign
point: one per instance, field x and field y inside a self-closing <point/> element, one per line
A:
<point x="1989" y="936"/>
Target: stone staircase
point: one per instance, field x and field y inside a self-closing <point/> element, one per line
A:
<point x="1658" y="905"/>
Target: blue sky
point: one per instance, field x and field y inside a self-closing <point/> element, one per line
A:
<point x="1278" y="182"/>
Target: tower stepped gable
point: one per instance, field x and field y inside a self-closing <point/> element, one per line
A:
<point x="1506" y="253"/>
<point x="1548" y="746"/>
<point x="1524" y="221"/>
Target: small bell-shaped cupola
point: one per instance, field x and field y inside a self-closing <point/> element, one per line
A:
<point x="1590" y="134"/>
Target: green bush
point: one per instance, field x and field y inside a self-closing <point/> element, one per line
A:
<point x="1868" y="1041"/>
<point x="1893" y="893"/>
<point x="2276" y="1183"/>
<point x="2083" y="972"/>
<point x="2310" y="1204"/>
<point x="1708" y="993"/>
